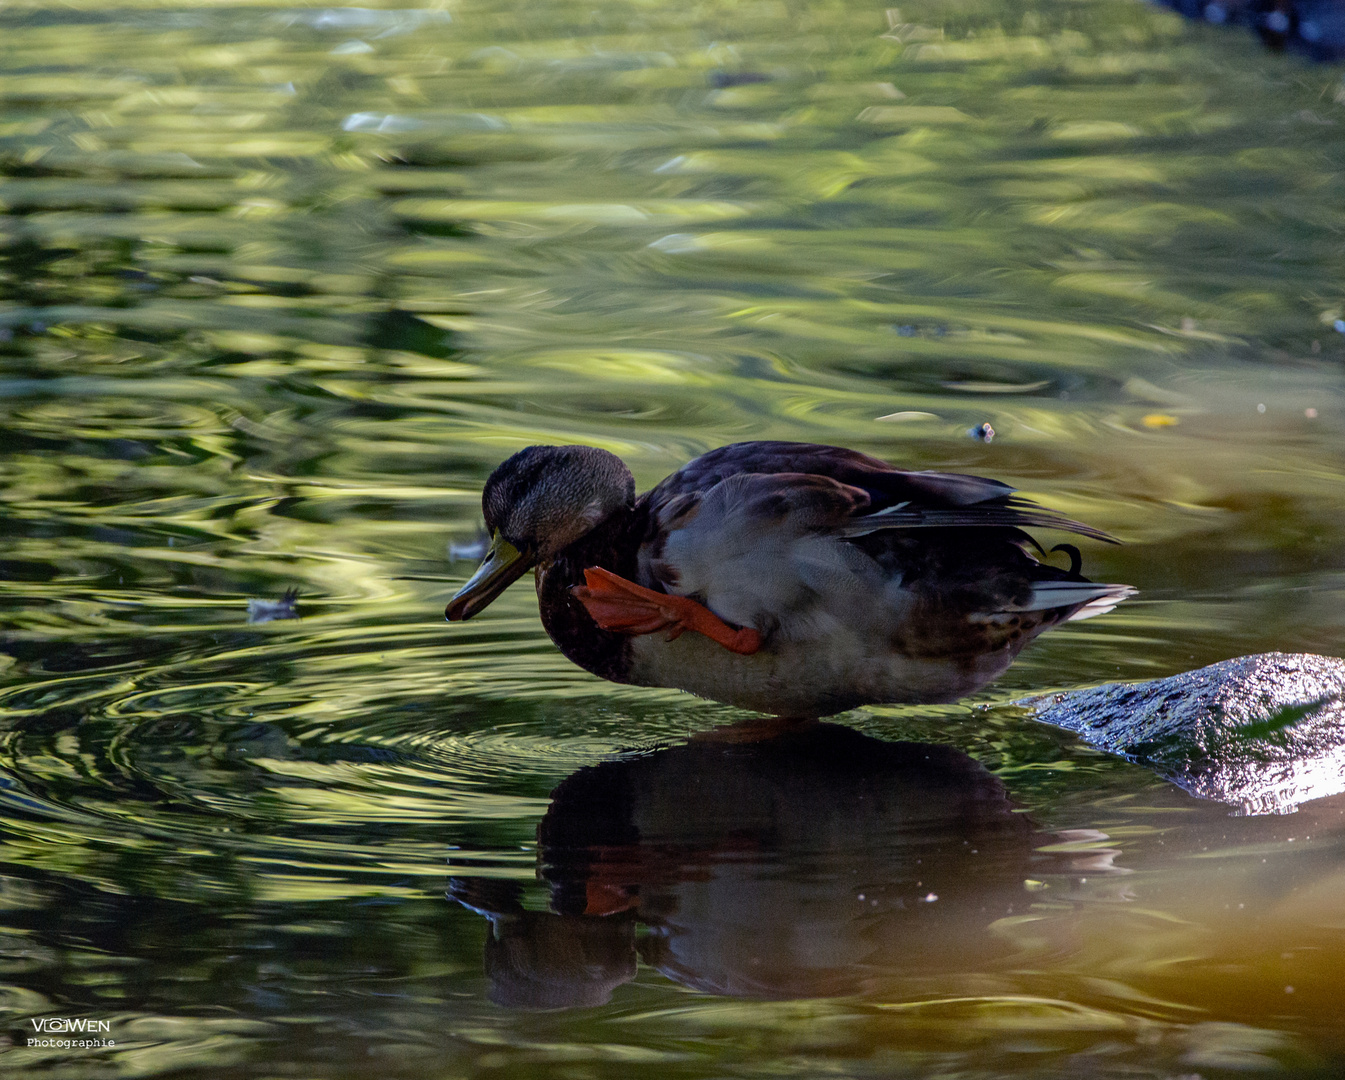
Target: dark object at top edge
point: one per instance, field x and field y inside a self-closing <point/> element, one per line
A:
<point x="1315" y="28"/>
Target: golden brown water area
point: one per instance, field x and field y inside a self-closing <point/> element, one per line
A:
<point x="280" y="286"/>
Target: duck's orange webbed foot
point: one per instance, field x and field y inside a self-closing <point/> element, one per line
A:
<point x="627" y="608"/>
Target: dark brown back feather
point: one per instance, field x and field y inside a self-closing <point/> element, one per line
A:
<point x="884" y="485"/>
<point x="932" y="500"/>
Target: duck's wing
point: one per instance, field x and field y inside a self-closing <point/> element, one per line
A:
<point x="758" y="549"/>
<point x="802" y="542"/>
<point x="883" y="484"/>
<point x="1010" y="512"/>
<point x="896" y="498"/>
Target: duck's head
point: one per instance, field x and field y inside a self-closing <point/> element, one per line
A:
<point x="537" y="503"/>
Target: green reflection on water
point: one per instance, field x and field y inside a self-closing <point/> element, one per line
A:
<point x="278" y="287"/>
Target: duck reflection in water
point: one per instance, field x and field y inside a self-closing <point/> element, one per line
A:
<point x="804" y="865"/>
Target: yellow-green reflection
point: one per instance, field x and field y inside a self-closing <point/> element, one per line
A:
<point x="278" y="287"/>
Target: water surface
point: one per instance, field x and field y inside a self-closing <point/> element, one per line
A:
<point x="278" y="288"/>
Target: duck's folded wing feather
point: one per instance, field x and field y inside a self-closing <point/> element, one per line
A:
<point x="770" y="551"/>
<point x="1012" y="512"/>
<point x="883" y="484"/>
<point x="897" y="499"/>
<point x="751" y="546"/>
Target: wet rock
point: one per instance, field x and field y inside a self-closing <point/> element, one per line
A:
<point x="1264" y="733"/>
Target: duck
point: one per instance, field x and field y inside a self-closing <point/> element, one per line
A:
<point x="792" y="579"/>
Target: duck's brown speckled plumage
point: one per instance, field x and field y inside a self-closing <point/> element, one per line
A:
<point x="866" y="583"/>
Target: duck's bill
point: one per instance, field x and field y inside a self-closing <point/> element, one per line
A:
<point x="504" y="564"/>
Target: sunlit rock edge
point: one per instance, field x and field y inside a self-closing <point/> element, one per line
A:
<point x="1264" y="733"/>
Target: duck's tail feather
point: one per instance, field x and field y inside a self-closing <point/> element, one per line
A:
<point x="1011" y="512"/>
<point x="1091" y="598"/>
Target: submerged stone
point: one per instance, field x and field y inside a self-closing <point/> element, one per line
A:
<point x="1264" y="733"/>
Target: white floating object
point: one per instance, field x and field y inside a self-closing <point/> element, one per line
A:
<point x="906" y="416"/>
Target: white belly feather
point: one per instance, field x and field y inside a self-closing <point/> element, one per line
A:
<point x="809" y="678"/>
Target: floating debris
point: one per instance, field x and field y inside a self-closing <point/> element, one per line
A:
<point x="260" y="611"/>
<point x="387" y="23"/>
<point x="1157" y="420"/>
<point x="722" y="80"/>
<point x="912" y="330"/>
<point x="984" y="432"/>
<point x="984" y="386"/>
<point x="906" y="417"/>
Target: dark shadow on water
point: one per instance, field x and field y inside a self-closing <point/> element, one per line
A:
<point x="805" y="865"/>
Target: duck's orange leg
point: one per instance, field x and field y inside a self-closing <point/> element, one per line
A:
<point x="627" y="608"/>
